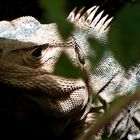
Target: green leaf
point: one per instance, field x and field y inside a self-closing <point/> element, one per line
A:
<point x="97" y="51"/>
<point x="65" y="28"/>
<point x="124" y="36"/>
<point x="56" y="13"/>
<point x="64" y="67"/>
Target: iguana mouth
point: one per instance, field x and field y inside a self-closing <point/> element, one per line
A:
<point x="61" y="87"/>
<point x="67" y="91"/>
<point x="64" y="104"/>
<point x="58" y="96"/>
<point x="42" y="83"/>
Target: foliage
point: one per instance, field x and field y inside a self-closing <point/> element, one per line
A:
<point x="56" y="13"/>
<point x="124" y="36"/>
<point x="65" y="68"/>
<point x="124" y="43"/>
<point x="99" y="49"/>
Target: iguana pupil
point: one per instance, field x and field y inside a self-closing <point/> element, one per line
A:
<point x="37" y="52"/>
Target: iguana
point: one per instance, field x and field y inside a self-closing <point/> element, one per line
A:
<point x="53" y="105"/>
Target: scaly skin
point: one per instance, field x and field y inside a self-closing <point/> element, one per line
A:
<point x="27" y="63"/>
<point x="29" y="51"/>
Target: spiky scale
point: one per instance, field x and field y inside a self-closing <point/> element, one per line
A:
<point x="90" y="15"/>
<point x="77" y="16"/>
<point x="71" y="16"/>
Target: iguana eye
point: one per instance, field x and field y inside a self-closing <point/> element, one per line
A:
<point x="37" y="52"/>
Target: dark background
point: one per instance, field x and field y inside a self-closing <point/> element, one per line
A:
<point x="15" y="8"/>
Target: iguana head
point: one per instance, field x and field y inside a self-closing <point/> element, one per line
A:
<point x="29" y="51"/>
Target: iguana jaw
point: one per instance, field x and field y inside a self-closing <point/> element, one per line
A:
<point x="56" y="95"/>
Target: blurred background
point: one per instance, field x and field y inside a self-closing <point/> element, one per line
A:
<point x="11" y="9"/>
